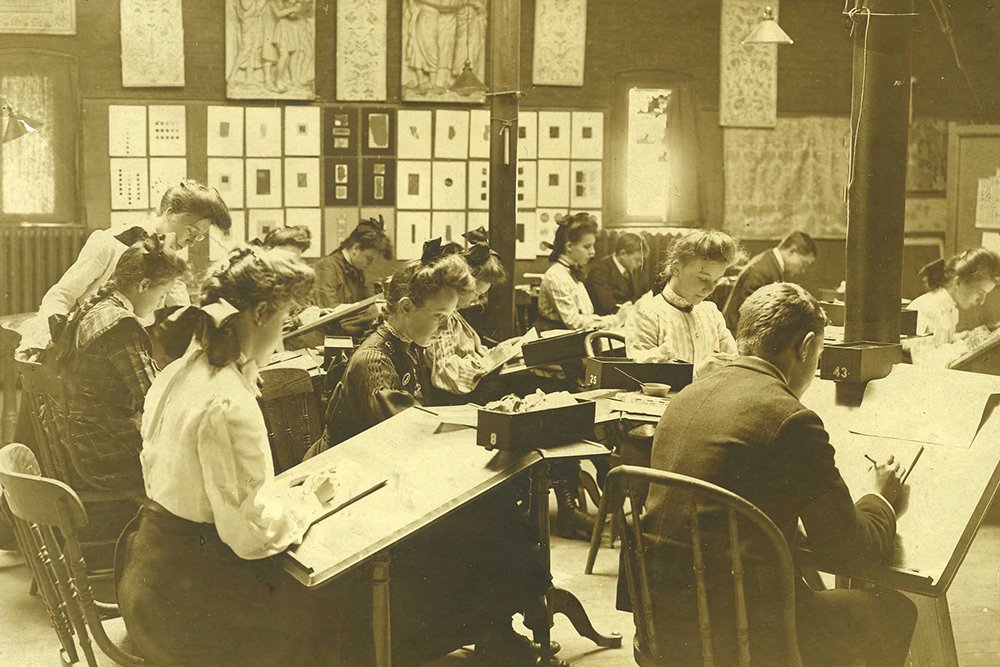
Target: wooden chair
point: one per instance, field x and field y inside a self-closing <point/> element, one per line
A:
<point x="705" y="500"/>
<point x="604" y="344"/>
<point x="48" y="516"/>
<point x="110" y="509"/>
<point x="291" y="413"/>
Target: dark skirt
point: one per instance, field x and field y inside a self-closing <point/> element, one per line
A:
<point x="187" y="599"/>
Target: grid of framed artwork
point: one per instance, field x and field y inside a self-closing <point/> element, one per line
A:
<point x="426" y="171"/>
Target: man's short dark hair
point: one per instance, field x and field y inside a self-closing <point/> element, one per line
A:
<point x="776" y="316"/>
<point x="799" y="241"/>
<point x="628" y="244"/>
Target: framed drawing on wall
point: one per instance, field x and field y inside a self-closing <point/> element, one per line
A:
<point x="39" y="17"/>
<point x="270" y="50"/>
<point x="444" y="51"/>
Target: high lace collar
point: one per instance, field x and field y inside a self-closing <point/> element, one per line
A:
<point x="676" y="300"/>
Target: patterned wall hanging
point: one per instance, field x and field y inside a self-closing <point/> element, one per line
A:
<point x="40" y="17"/>
<point x="361" y="50"/>
<point x="748" y="88"/>
<point x="560" y="42"/>
<point x="152" y="36"/>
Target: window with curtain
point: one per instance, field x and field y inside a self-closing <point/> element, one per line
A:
<point x="656" y="179"/>
<point x="38" y="169"/>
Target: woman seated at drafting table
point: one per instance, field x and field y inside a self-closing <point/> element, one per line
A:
<point x="476" y="568"/>
<point x="104" y="358"/>
<point x="678" y="323"/>
<point x="340" y="276"/>
<point x="960" y="283"/>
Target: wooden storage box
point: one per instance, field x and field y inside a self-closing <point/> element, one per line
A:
<point x="335" y="347"/>
<point x="525" y="431"/>
<point x="602" y="373"/>
<point x="554" y="349"/>
<point x="860" y="361"/>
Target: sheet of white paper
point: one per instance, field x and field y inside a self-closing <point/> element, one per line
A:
<point x="263" y="128"/>
<point x="164" y="173"/>
<point x="168" y="130"/>
<point x="263" y="182"/>
<point x="412" y="229"/>
<point x="312" y="218"/>
<point x="586" y="184"/>
<point x="301" y="181"/>
<point x="226" y="176"/>
<point x="527" y="135"/>
<point x="545" y="227"/>
<point x="479" y="134"/>
<point x="527" y="184"/>
<point x="413" y="134"/>
<point x="448" y="185"/>
<point x="991" y="241"/>
<point x="413" y="184"/>
<point x="553" y="183"/>
<point x="479" y="185"/>
<point x="526" y="246"/>
<point x="129" y="183"/>
<point x="126" y="131"/>
<point x="554" y="135"/>
<point x="588" y="135"/>
<point x="220" y="243"/>
<point x="262" y="221"/>
<point x="225" y="131"/>
<point x="451" y="134"/>
<point x="122" y="220"/>
<point x="302" y="130"/>
<point x="449" y="225"/>
<point x="477" y="219"/>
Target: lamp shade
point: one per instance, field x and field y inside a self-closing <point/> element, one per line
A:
<point x="18" y="126"/>
<point x="767" y="31"/>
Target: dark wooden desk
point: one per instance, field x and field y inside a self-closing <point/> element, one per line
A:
<point x="408" y="450"/>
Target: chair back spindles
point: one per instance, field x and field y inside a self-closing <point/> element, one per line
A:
<point x="291" y="414"/>
<point x="708" y="530"/>
<point x="704" y="618"/>
<point x="739" y="595"/>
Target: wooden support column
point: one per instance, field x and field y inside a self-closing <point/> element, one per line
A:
<point x="505" y="72"/>
<point x="877" y="188"/>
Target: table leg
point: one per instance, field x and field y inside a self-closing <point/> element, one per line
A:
<point x="595" y="538"/>
<point x="380" y="610"/>
<point x="557" y="600"/>
<point x="933" y="642"/>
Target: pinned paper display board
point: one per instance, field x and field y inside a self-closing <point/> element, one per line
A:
<point x="262" y="221"/>
<point x="585" y="189"/>
<point x="168" y="130"/>
<point x="588" y="135"/>
<point x="527" y="184"/>
<point x="451" y="134"/>
<point x="449" y="225"/>
<point x="340" y="186"/>
<point x="378" y="182"/>
<point x="302" y="131"/>
<point x="122" y="220"/>
<point x="226" y="176"/>
<point x="164" y="173"/>
<point x="312" y="219"/>
<point x="301" y="181"/>
<point x="126" y="131"/>
<point x="221" y="243"/>
<point x="448" y="188"/>
<point x="412" y="229"/>
<point x="263" y="129"/>
<point x="553" y="183"/>
<point x="413" y="134"/>
<point x="338" y="223"/>
<point x="545" y="227"/>
<point x="477" y="219"/>
<point x="413" y="184"/>
<point x="479" y="134"/>
<point x="526" y="241"/>
<point x="379" y="132"/>
<point x="129" y="183"/>
<point x="263" y="182"/>
<point x="225" y="131"/>
<point x="554" y="135"/>
<point x="527" y="135"/>
<point x="479" y="185"/>
<point x="340" y="131"/>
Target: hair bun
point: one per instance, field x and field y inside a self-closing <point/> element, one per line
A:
<point x="377" y="225"/>
<point x="564" y="219"/>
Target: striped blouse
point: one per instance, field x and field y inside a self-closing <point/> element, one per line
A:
<point x="656" y="328"/>
<point x="563" y="298"/>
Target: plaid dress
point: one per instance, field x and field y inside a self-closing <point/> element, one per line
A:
<point x="105" y="376"/>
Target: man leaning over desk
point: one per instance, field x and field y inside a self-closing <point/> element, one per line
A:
<point x="744" y="429"/>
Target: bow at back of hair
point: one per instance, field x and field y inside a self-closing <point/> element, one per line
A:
<point x="377" y="225"/>
<point x="177" y="328"/>
<point x="437" y="248"/>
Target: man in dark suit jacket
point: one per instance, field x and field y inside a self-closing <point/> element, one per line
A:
<point x="789" y="260"/>
<point x="611" y="281"/>
<point x="744" y="429"/>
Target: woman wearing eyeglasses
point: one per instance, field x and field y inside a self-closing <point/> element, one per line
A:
<point x="959" y="284"/>
<point x="185" y="214"/>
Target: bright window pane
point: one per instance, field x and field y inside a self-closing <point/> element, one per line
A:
<point x="647" y="172"/>
<point x="29" y="162"/>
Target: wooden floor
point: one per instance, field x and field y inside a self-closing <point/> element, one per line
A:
<point x="26" y="640"/>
